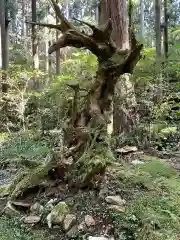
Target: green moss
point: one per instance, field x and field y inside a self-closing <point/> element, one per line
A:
<point x="60" y="209"/>
<point x="158" y="169"/>
<point x="92" y="162"/>
<point x="4" y="190"/>
<point x="149" y="158"/>
<point x="153" y="203"/>
<point x="30" y="179"/>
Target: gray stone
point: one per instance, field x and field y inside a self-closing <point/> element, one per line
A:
<point x="37" y="208"/>
<point x="117" y="208"/>
<point x="89" y="220"/>
<point x="115" y="200"/>
<point x="100" y="238"/>
<point x="32" y="219"/>
<point x="136" y="162"/>
<point x="69" y="221"/>
<point x="127" y="149"/>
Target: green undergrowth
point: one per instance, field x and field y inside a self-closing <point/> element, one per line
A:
<point x="152" y="191"/>
<point x="14" y="229"/>
<point x="25" y="149"/>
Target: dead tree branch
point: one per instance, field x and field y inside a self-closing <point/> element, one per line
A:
<point x="58" y="27"/>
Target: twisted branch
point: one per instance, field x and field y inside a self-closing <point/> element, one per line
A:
<point x="99" y="42"/>
<point x="52" y="26"/>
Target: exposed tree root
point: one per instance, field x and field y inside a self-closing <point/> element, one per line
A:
<point x="40" y="177"/>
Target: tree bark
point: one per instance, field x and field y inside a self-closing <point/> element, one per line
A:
<point x="35" y="44"/>
<point x="23" y="32"/>
<point x="4" y="44"/>
<point x="165" y="29"/>
<point x="58" y="50"/>
<point x="124" y="99"/>
<point x="159" y="61"/>
<point x="47" y="55"/>
<point x="158" y="27"/>
<point x="142" y="18"/>
<point x="116" y="10"/>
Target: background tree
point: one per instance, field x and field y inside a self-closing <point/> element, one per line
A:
<point x="158" y="27"/>
<point x="58" y="50"/>
<point x="124" y="102"/>
<point x="165" y="29"/>
<point x="4" y="22"/>
<point x="142" y="18"/>
<point x="35" y="43"/>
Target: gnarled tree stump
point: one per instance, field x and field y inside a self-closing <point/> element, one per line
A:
<point x="87" y="129"/>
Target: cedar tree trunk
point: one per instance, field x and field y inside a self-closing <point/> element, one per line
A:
<point x="124" y="109"/>
<point x="4" y="43"/>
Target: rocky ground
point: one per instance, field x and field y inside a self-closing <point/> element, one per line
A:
<point x="93" y="214"/>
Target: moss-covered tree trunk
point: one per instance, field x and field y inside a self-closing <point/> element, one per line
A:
<point x="86" y="132"/>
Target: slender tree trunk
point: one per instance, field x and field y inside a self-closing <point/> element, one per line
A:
<point x="130" y="17"/>
<point x="47" y="55"/>
<point x="1" y="26"/>
<point x="67" y="10"/>
<point x="130" y="12"/>
<point x="165" y="30"/>
<point x="23" y="31"/>
<point x="14" y="38"/>
<point x="158" y="27"/>
<point x="142" y="18"/>
<point x="159" y="62"/>
<point x="58" y="51"/>
<point x="50" y="62"/>
<point x="97" y="14"/>
<point x="4" y="43"/>
<point x="35" y="44"/>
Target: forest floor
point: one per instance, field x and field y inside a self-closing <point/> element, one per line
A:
<point x="146" y="188"/>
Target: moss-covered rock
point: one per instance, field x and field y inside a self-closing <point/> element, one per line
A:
<point x="57" y="214"/>
<point x="4" y="190"/>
